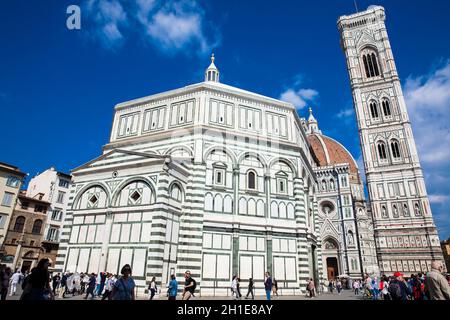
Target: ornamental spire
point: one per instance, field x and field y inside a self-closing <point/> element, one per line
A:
<point x="313" y="126"/>
<point x="212" y="73"/>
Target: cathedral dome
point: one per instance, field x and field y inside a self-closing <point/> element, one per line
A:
<point x="329" y="152"/>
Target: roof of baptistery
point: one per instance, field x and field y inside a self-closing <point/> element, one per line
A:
<point x="327" y="151"/>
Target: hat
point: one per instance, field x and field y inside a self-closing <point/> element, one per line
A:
<point x="398" y="274"/>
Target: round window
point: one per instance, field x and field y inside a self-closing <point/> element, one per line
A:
<point x="327" y="207"/>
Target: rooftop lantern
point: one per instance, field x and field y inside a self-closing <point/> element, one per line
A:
<point x="212" y="73"/>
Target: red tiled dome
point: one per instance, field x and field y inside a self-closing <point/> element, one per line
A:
<point x="330" y="152"/>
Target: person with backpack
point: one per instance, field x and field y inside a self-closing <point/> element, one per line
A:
<point x="398" y="289"/>
<point x="251" y="285"/>
<point x="189" y="286"/>
<point x="173" y="288"/>
<point x="123" y="288"/>
<point x="152" y="288"/>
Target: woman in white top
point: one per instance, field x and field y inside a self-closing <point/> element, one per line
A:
<point x="152" y="288"/>
<point x="234" y="290"/>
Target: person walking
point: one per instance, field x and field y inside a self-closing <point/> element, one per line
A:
<point x="251" y="285"/>
<point x="152" y="288"/>
<point x="85" y="283"/>
<point x="16" y="278"/>
<point x="356" y="286"/>
<point x="189" y="286"/>
<point x="173" y="287"/>
<point x="436" y="286"/>
<point x="238" y="287"/>
<point x="108" y="287"/>
<point x="339" y="286"/>
<point x="275" y="288"/>
<point x="268" y="285"/>
<point x="63" y="285"/>
<point x="234" y="291"/>
<point x="55" y="282"/>
<point x="384" y="288"/>
<point x="330" y="286"/>
<point x="37" y="286"/>
<point x="91" y="286"/>
<point x="311" y="288"/>
<point x="123" y="288"/>
<point x="102" y="283"/>
<point x="375" y="288"/>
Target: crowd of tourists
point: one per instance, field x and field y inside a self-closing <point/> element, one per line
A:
<point x="431" y="286"/>
<point x="270" y="287"/>
<point x="39" y="284"/>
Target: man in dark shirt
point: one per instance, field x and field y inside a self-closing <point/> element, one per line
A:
<point x="63" y="285"/>
<point x="91" y="286"/>
<point x="250" y="288"/>
<point x="55" y="282"/>
<point x="189" y="286"/>
<point x="268" y="284"/>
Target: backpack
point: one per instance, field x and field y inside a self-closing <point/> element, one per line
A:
<point x="395" y="290"/>
<point x="195" y="284"/>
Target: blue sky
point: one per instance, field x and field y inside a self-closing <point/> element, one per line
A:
<point x="58" y="86"/>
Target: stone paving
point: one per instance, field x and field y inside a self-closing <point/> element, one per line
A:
<point x="345" y="295"/>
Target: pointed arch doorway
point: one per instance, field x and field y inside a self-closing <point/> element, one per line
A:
<point x="331" y="257"/>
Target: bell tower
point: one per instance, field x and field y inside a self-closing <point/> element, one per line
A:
<point x="405" y="233"/>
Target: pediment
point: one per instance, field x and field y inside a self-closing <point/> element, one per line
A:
<point x="118" y="156"/>
<point x="328" y="229"/>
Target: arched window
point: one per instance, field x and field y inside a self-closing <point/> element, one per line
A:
<point x="331" y="184"/>
<point x="251" y="180"/>
<point x="176" y="193"/>
<point x="384" y="212"/>
<point x="395" y="149"/>
<point x="20" y="223"/>
<point x="374" y="110"/>
<point x="386" y="108"/>
<point x="37" y="226"/>
<point x="371" y="66"/>
<point x="324" y="185"/>
<point x="382" y="151"/>
<point x="405" y="210"/>
<point x="395" y="211"/>
<point x="417" y="211"/>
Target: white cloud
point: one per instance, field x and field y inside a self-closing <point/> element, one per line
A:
<point x="439" y="198"/>
<point x="428" y="100"/>
<point x="172" y="26"/>
<point x="109" y="17"/>
<point x="345" y="113"/>
<point x="299" y="97"/>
